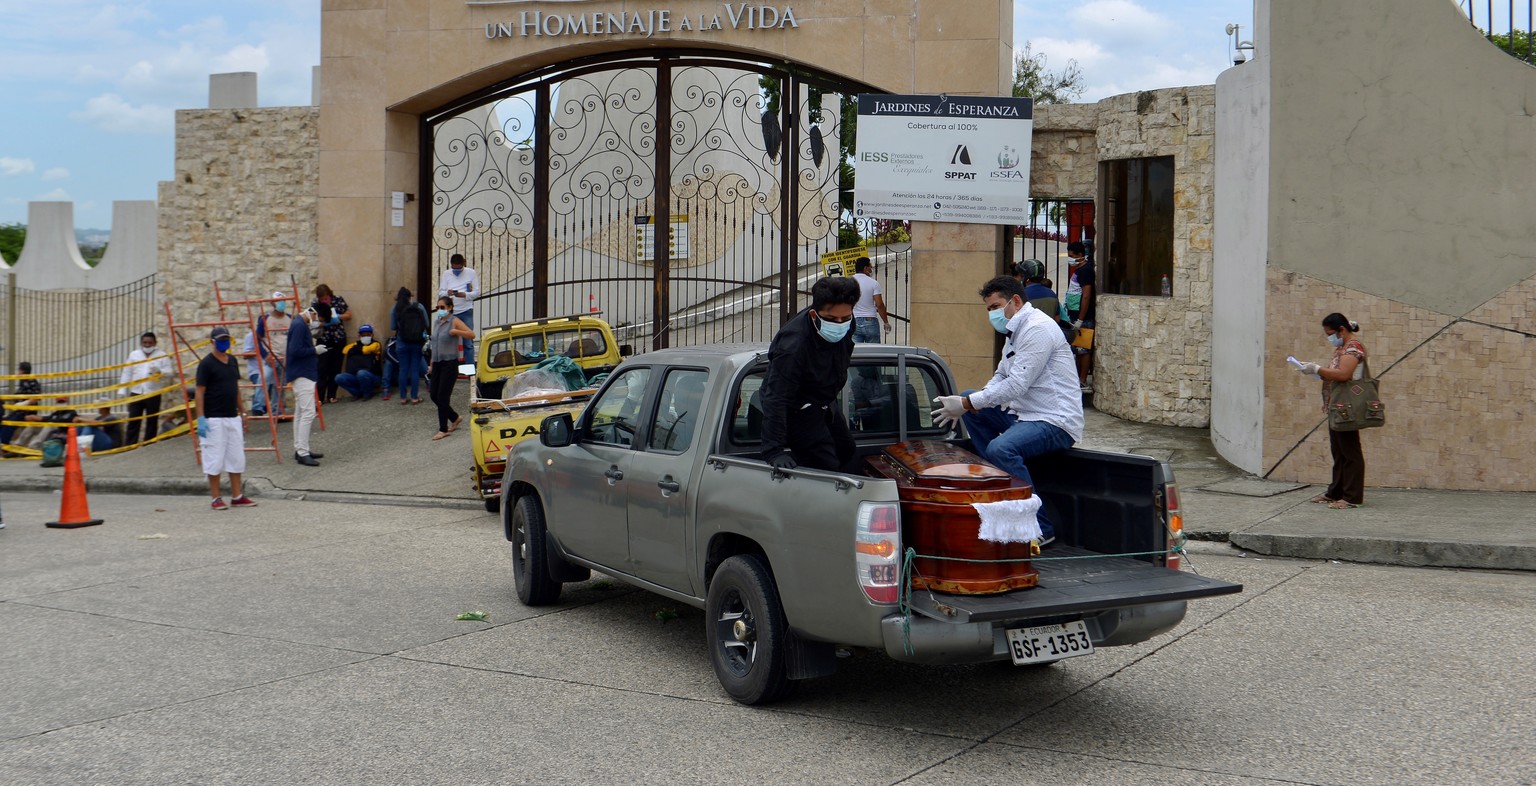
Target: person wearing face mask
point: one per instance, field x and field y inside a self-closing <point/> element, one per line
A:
<point x="807" y="369"/>
<point x="1033" y="404"/>
<point x="149" y="361"/>
<point x="332" y="333"/>
<point x="360" y="363"/>
<point x="461" y="284"/>
<point x="1347" y="489"/>
<point x="303" y="368"/>
<point x="272" y="343"/>
<point x="447" y="329"/>
<point x="220" y="421"/>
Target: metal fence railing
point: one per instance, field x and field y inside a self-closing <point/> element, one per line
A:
<point x="60" y="331"/>
<point x="1505" y="24"/>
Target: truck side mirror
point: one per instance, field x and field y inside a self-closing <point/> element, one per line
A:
<point x="557" y="431"/>
<point x="625" y="350"/>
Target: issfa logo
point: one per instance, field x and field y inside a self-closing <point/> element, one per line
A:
<point x="1008" y="158"/>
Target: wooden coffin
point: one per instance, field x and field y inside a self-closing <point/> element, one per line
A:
<point x="937" y="483"/>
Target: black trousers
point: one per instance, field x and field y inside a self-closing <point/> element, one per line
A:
<point x="1348" y="467"/>
<point x="819" y="439"/>
<point x="150" y="410"/>
<point x="329" y="365"/>
<point x="440" y="388"/>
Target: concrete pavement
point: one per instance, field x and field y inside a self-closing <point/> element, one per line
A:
<point x="383" y="452"/>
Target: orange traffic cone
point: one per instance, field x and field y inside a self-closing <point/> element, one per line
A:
<point x="73" y="510"/>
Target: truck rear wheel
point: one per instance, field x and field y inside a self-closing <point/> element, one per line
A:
<point x="748" y="635"/>
<point x="530" y="557"/>
<point x="493" y="504"/>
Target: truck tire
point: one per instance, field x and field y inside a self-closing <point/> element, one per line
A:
<point x="748" y="635"/>
<point x="530" y="558"/>
<point x="493" y="504"/>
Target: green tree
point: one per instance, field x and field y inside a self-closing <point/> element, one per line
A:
<point x="12" y="236"/>
<point x="1032" y="79"/>
<point x="1516" y="42"/>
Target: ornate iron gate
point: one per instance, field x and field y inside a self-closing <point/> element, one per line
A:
<point x="686" y="195"/>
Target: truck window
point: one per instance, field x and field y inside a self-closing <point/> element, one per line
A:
<point x="682" y="399"/>
<point x="529" y="349"/>
<point x="746" y="425"/>
<point x="615" y="415"/>
<point x="870" y="399"/>
<point x="577" y="343"/>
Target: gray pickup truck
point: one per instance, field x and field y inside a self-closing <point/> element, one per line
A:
<point x="658" y="483"/>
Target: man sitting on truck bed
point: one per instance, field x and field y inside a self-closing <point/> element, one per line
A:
<point x="807" y="368"/>
<point x="1032" y="405"/>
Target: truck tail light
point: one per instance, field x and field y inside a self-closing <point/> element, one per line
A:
<point x="1175" y="519"/>
<point x="877" y="551"/>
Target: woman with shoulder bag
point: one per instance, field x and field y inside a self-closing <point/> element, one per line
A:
<point x="1348" y="363"/>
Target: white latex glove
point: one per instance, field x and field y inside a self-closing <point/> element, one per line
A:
<point x="887" y="327"/>
<point x="321" y="349"/>
<point x="949" y="411"/>
<point x="1308" y="368"/>
<point x="1078" y="325"/>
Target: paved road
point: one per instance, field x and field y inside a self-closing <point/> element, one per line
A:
<point x="314" y="642"/>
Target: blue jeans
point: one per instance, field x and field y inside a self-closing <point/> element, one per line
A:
<point x="413" y="366"/>
<point x="468" y="318"/>
<point x="262" y="395"/>
<point x="866" y="330"/>
<point x="1008" y="442"/>
<point x="391" y="375"/>
<point x="99" y="439"/>
<point x="361" y="384"/>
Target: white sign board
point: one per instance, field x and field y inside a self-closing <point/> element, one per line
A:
<point x="963" y="159"/>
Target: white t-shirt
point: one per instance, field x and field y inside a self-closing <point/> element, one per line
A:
<point x="868" y="289"/>
<point x="465" y="281"/>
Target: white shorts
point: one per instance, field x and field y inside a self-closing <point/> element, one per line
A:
<point x="224" y="447"/>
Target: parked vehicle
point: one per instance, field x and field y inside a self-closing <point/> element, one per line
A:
<point x="658" y="483"/>
<point x="496" y="423"/>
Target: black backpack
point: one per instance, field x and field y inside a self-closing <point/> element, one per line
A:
<point x="413" y="325"/>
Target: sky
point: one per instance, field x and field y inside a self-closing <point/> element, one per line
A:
<point x="91" y="86"/>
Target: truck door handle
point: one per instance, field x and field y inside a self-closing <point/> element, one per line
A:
<point x="669" y="485"/>
<point x="614" y="475"/>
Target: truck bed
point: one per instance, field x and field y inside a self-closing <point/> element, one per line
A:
<point x="1074" y="586"/>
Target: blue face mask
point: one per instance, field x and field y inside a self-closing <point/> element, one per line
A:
<point x="280" y="307"/>
<point x="998" y="319"/>
<point x="221" y="344"/>
<point x="832" y="331"/>
<point x="1336" y="340"/>
<point x="442" y="312"/>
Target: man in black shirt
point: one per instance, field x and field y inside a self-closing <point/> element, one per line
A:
<point x="807" y="368"/>
<point x="220" y="423"/>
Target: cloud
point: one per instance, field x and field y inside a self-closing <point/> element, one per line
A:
<point x="110" y="113"/>
<point x="11" y="167"/>
<point x="56" y="195"/>
<point x="242" y="58"/>
<point x="1121" y="21"/>
<point x="56" y="173"/>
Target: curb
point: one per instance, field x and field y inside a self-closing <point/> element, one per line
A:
<point x="1404" y="553"/>
<point x="255" y="486"/>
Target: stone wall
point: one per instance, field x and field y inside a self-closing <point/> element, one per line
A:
<point x="1153" y="354"/>
<point x="1064" y="160"/>
<point x="242" y="211"/>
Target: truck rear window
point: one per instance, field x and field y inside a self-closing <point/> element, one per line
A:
<point x="872" y="402"/>
<point x="533" y="347"/>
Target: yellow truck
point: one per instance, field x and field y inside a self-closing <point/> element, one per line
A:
<point x="509" y="403"/>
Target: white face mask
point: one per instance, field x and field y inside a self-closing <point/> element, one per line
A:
<point x="366" y="340"/>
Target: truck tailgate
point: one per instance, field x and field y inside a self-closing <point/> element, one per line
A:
<point x="1074" y="586"/>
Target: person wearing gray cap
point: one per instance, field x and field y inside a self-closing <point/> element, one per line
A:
<point x="220" y="421"/>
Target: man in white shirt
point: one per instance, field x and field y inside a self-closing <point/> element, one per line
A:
<point x="1033" y="405"/>
<point x="462" y="284"/>
<point x="869" y="313"/>
<point x="149" y="361"/>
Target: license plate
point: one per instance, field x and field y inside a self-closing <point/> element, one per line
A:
<point x="1049" y="642"/>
